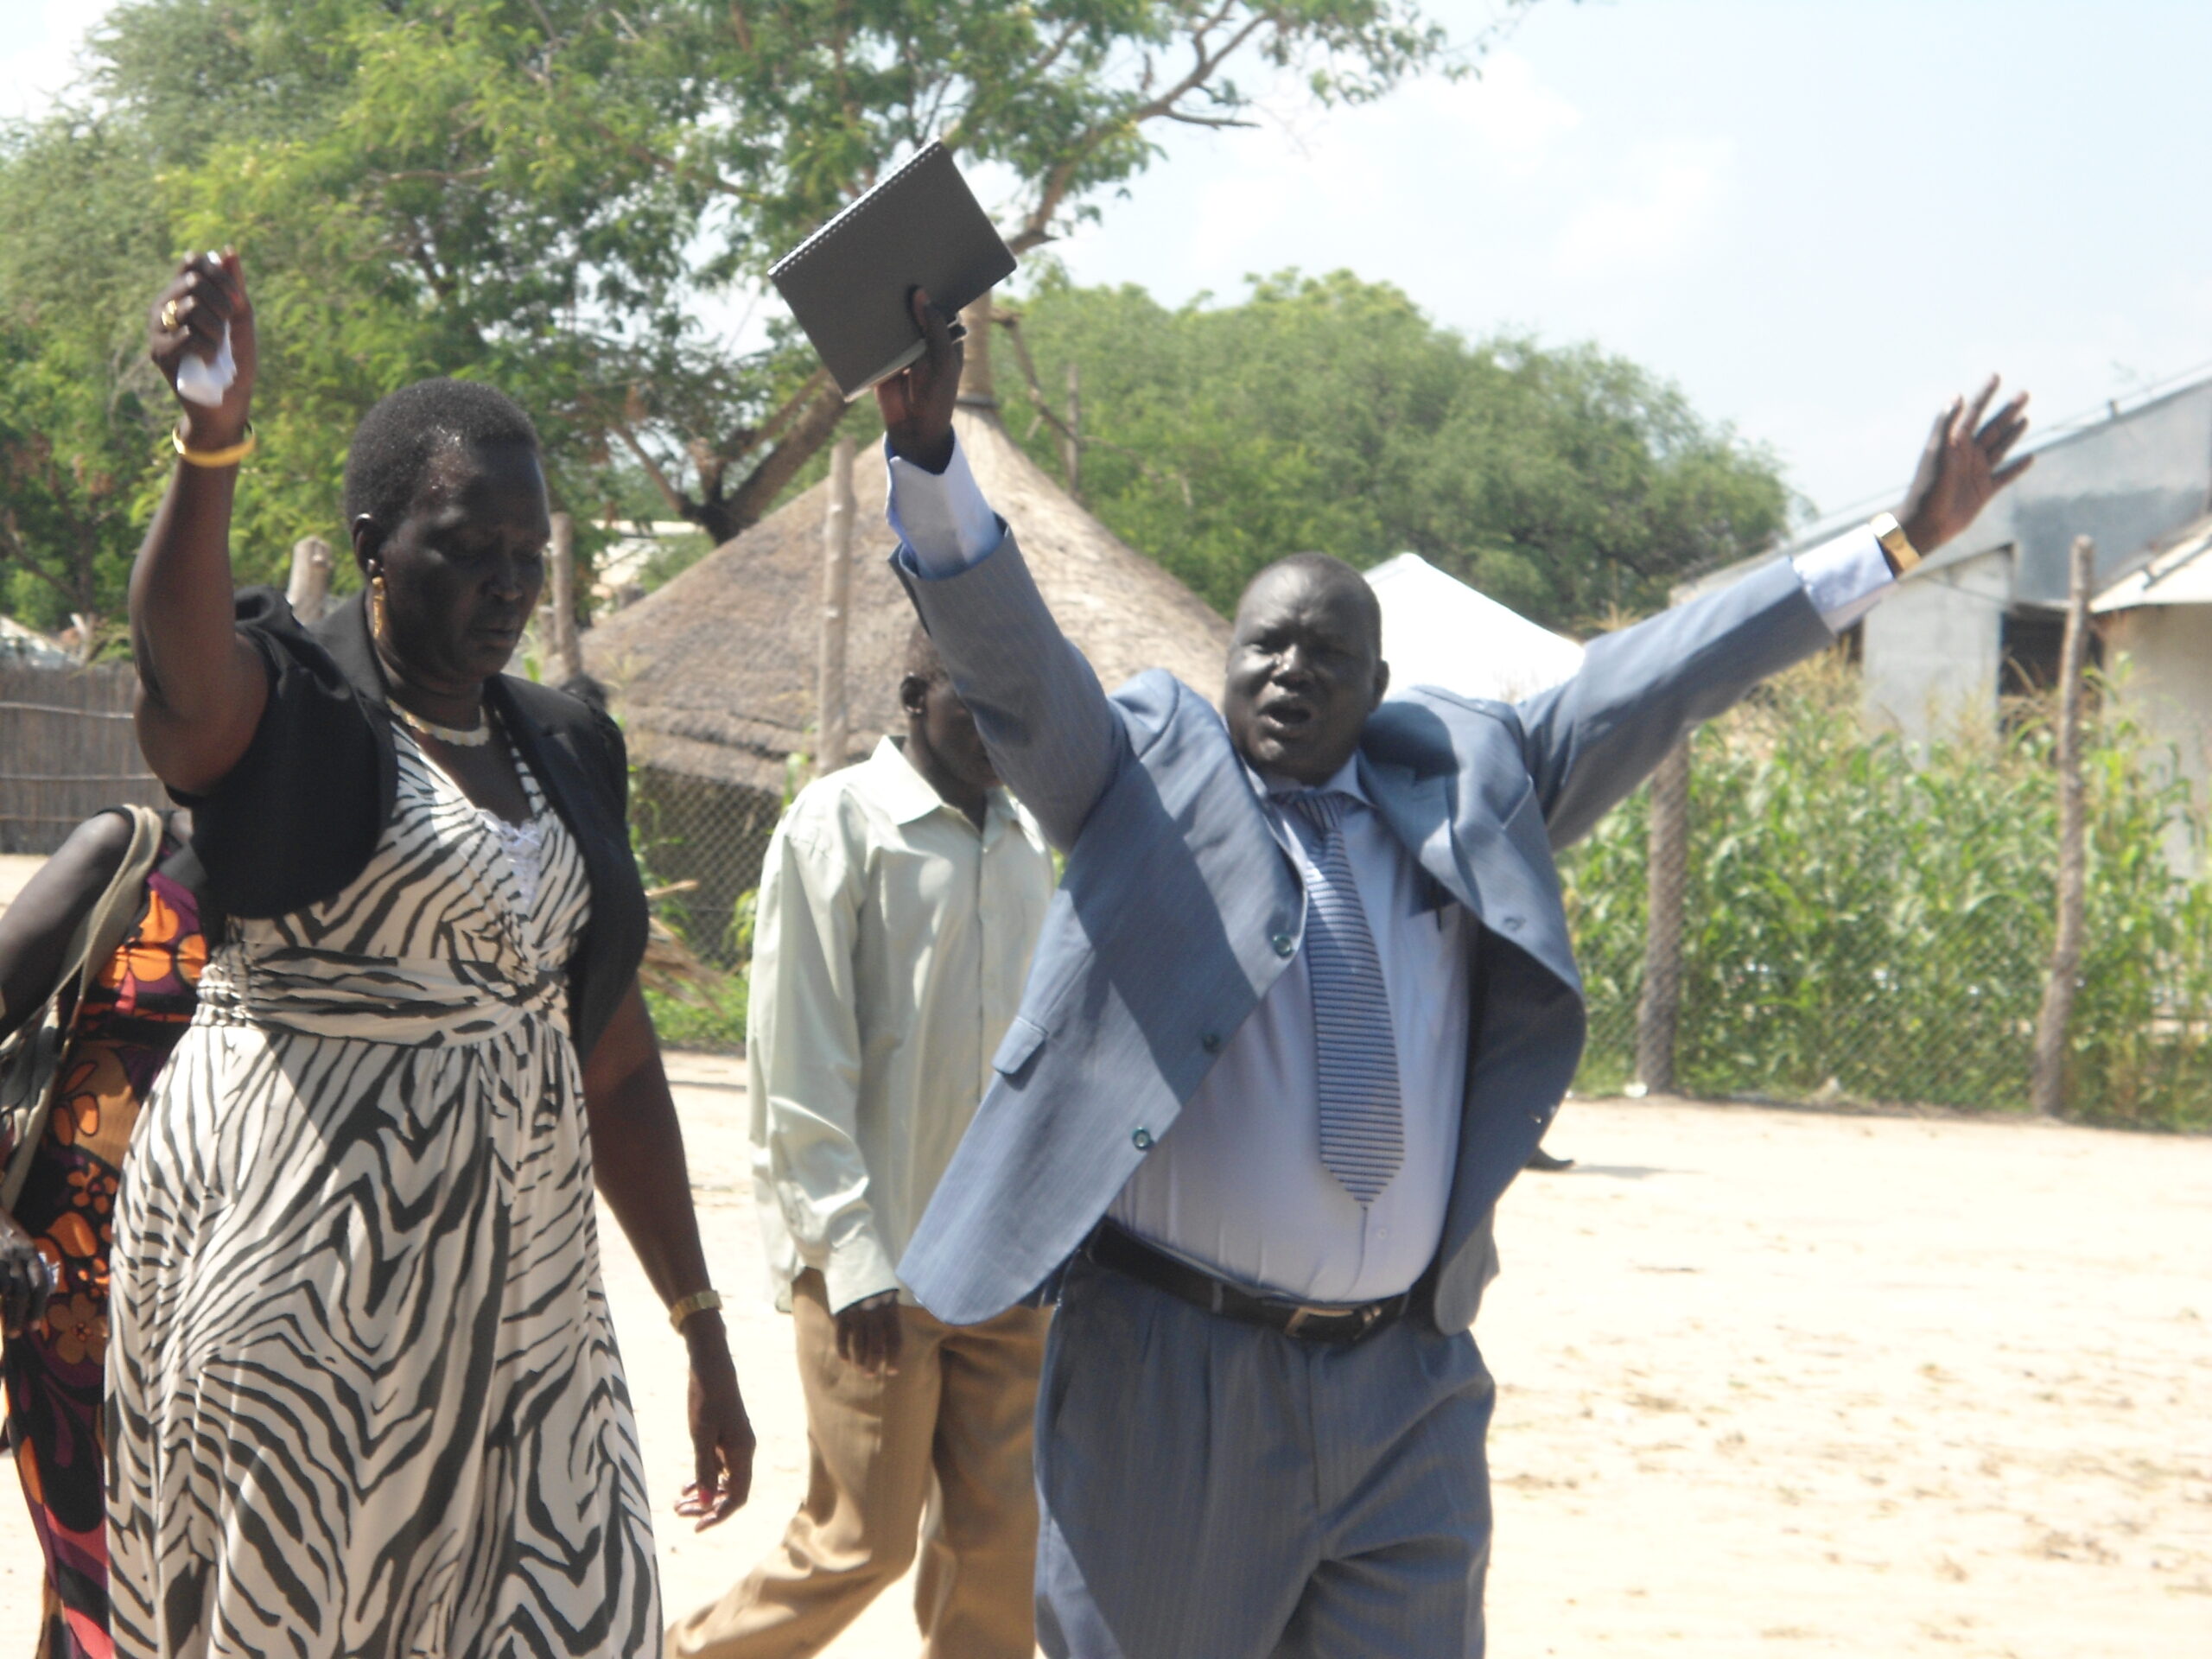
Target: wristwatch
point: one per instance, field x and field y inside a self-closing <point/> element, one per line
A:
<point x="1896" y="547"/>
<point x="699" y="1301"/>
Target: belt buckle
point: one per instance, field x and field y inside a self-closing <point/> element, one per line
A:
<point x="1307" y="1311"/>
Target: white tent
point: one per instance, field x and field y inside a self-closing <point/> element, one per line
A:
<point x="1438" y="631"/>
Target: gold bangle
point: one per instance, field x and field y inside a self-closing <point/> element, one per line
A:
<point x="230" y="457"/>
<point x="699" y="1301"/>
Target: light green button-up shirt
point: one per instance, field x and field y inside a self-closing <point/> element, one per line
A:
<point x="889" y="948"/>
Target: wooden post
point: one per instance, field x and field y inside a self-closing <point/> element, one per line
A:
<point x="1667" y="875"/>
<point x="564" y="651"/>
<point x="308" y="591"/>
<point x="976" y="388"/>
<point x="837" y="593"/>
<point x="2047" y="1083"/>
<point x="1071" y="445"/>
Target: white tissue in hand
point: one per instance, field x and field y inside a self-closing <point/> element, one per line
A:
<point x="204" y="382"/>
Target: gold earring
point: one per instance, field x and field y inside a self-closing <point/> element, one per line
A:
<point x="377" y="625"/>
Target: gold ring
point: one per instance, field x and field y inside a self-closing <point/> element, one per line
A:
<point x="168" y="317"/>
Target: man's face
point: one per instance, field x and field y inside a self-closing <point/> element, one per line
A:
<point x="940" y="721"/>
<point x="1304" y="673"/>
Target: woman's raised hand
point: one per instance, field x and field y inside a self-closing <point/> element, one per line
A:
<point x="187" y="319"/>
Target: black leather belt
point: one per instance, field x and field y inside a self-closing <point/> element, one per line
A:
<point x="1111" y="1246"/>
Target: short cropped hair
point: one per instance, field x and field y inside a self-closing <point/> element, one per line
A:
<point x="398" y="438"/>
<point x="923" y="662"/>
<point x="1328" y="571"/>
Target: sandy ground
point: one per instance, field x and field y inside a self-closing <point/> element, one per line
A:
<point x="15" y="868"/>
<point x="1770" y="1382"/>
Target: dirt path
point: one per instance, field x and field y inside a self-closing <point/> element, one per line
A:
<point x="15" y="868"/>
<point x="1769" y="1382"/>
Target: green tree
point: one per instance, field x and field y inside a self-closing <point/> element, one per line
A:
<point x="552" y="194"/>
<point x="76" y="440"/>
<point x="1328" y="414"/>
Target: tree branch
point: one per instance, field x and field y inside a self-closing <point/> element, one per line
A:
<point x="809" y="428"/>
<point x="1219" y="122"/>
<point x="22" y="561"/>
<point x="1037" y="223"/>
<point x="772" y="429"/>
<point x="678" y="503"/>
<point x="431" y="174"/>
<point x="1011" y="322"/>
<point x="17" y="552"/>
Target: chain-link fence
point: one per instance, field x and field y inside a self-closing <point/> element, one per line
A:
<point x="1868" y="920"/>
<point x="1845" y="918"/>
<point x="699" y="844"/>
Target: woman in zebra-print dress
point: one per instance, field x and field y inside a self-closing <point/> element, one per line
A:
<point x="366" y="1398"/>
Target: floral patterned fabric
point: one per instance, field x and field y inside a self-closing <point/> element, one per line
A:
<point x="131" y="1018"/>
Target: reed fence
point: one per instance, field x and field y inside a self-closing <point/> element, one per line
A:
<point x="66" y="750"/>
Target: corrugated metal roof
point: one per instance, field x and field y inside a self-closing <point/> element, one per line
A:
<point x="2179" y="575"/>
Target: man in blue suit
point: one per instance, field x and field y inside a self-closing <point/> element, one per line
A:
<point x="1301" y="1010"/>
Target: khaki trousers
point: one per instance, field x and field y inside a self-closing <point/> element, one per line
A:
<point x="958" y="1412"/>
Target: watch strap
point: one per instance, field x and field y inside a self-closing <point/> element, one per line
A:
<point x="699" y="1301"/>
<point x="1902" y="555"/>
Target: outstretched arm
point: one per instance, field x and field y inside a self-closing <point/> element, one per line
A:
<point x="201" y="688"/>
<point x="1591" y="742"/>
<point x="1052" y="734"/>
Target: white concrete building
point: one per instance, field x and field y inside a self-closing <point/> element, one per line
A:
<point x="2156" y="627"/>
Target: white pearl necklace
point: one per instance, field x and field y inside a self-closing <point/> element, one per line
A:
<point x="472" y="737"/>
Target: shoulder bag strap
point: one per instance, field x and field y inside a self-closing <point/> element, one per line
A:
<point x="106" y="925"/>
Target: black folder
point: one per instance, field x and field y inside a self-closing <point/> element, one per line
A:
<point x="847" y="282"/>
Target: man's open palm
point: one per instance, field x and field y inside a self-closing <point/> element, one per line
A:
<point x="1962" y="466"/>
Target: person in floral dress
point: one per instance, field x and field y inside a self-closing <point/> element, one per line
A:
<point x="54" y="1361"/>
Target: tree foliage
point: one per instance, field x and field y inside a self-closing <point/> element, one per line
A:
<point x="77" y="433"/>
<point x="1328" y="414"/>
<point x="562" y="196"/>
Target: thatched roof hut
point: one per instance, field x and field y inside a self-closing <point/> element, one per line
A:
<point x="715" y="674"/>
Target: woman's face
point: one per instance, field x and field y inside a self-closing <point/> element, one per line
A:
<point x="463" y="568"/>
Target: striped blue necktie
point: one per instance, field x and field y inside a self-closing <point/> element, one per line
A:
<point x="1363" y="1136"/>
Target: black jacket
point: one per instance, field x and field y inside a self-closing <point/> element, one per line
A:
<point x="298" y="816"/>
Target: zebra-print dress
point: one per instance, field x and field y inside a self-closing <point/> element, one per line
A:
<point x="366" y="1398"/>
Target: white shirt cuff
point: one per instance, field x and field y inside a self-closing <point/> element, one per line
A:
<point x="940" y="518"/>
<point x="858" y="1269"/>
<point x="1845" y="578"/>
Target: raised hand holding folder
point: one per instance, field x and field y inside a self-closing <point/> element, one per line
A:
<point x="847" y="284"/>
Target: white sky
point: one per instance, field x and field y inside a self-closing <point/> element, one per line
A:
<point x="1819" y="217"/>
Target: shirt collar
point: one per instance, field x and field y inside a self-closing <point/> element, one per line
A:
<point x="908" y="796"/>
<point x="1346" y="780"/>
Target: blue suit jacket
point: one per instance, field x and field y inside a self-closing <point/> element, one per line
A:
<point x="1179" y="909"/>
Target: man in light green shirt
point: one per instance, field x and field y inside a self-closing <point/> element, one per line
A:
<point x="898" y="908"/>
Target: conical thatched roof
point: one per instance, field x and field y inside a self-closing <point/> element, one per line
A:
<point x="714" y="674"/>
